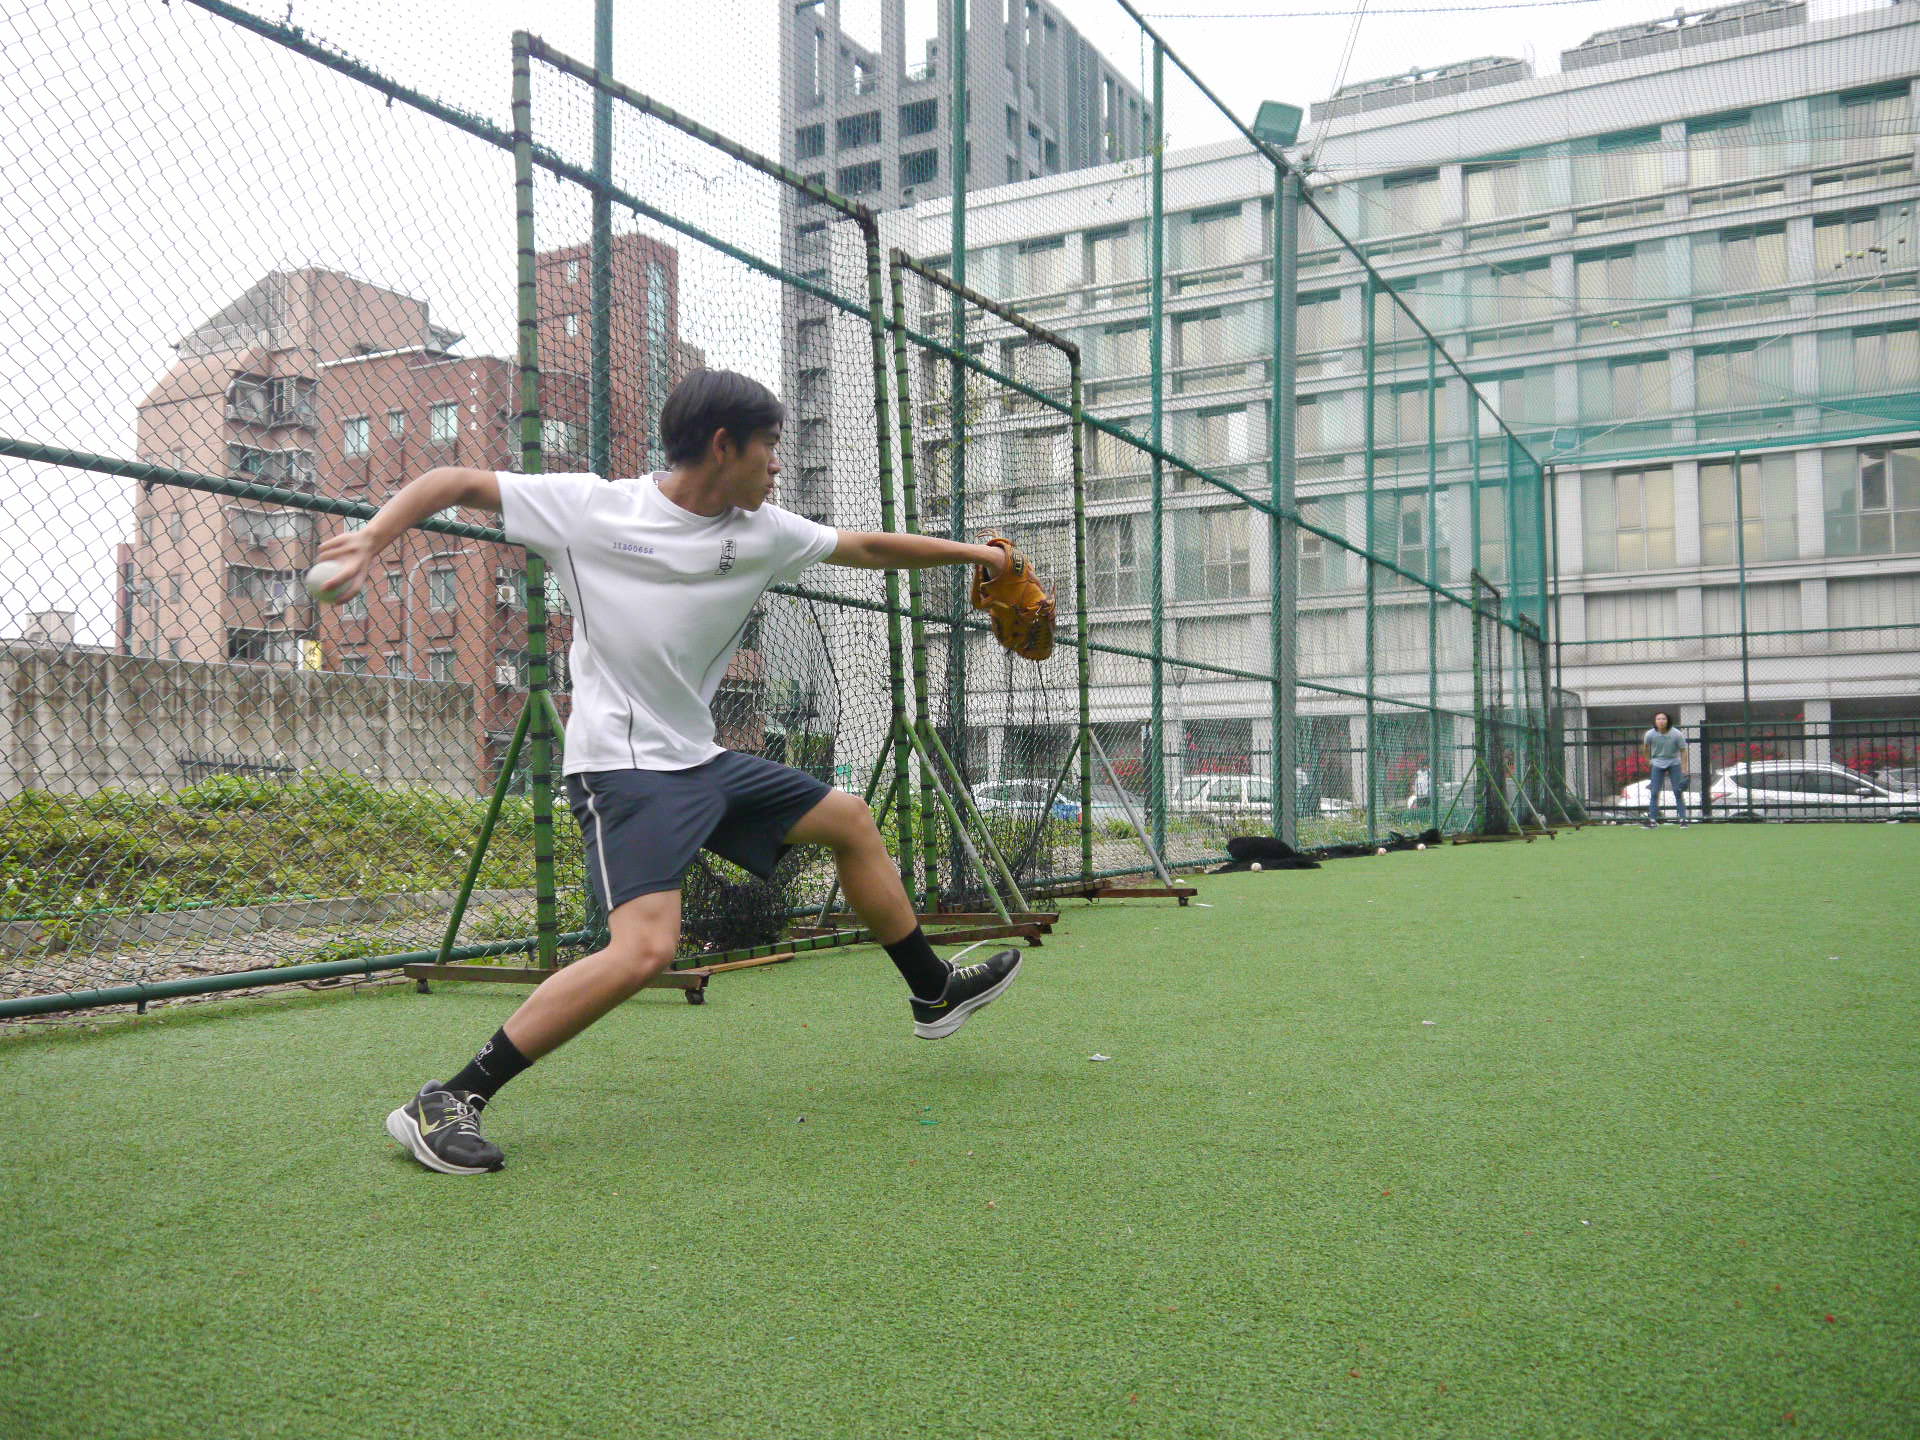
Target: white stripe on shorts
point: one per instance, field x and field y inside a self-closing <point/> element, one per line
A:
<point x="606" y="884"/>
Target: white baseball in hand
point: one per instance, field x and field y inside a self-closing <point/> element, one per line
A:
<point x="322" y="579"/>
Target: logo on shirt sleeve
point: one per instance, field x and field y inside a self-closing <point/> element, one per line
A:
<point x="728" y="550"/>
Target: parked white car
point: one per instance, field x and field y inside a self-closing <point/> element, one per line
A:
<point x="1807" y="790"/>
<point x="1221" y="795"/>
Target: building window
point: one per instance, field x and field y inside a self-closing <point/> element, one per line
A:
<point x="1768" y="505"/>
<point x="1732" y="146"/>
<point x="443" y="589"/>
<point x="1625" y="387"/>
<point x="1040" y="266"/>
<point x="443" y="424"/>
<point x="1400" y="535"/>
<point x="922" y="117"/>
<point x="396" y="423"/>
<point x="1514" y="293"/>
<point x="353" y="664"/>
<point x="1521" y="398"/>
<point x="1869" y="359"/>
<point x="810" y="142"/>
<point x="1015" y="172"/>
<point x="659" y="368"/>
<point x="1493" y="531"/>
<point x="1322" y="563"/>
<point x="859" y="179"/>
<point x="852" y="131"/>
<point x="1228" y="435"/>
<point x="1619" y="275"/>
<point x="1495" y="188"/>
<point x="570" y="323"/>
<point x="919" y="167"/>
<point x="1615" y="166"/>
<point x="1210" y="237"/>
<point x="1115" y="255"/>
<point x="354" y="608"/>
<point x="1872" y="499"/>
<point x="561" y="437"/>
<point x="1628" y="515"/>
<point x="1746" y="257"/>
<point x="440" y="666"/>
<point x="1211" y="555"/>
<point x="1754" y="373"/>
<point x="354" y="437"/>
<point x="1409" y="200"/>
<point x="396" y="584"/>
<point x="573" y="272"/>
<point x="1114" y="572"/>
<point x="1862" y="124"/>
<point x="1648" y="616"/>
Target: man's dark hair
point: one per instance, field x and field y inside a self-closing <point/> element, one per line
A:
<point x="712" y="400"/>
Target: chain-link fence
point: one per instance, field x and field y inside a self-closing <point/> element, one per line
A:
<point x="206" y="774"/>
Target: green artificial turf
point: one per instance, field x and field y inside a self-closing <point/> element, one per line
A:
<point x="1649" y="1171"/>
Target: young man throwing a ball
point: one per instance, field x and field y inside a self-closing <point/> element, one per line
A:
<point x="661" y="573"/>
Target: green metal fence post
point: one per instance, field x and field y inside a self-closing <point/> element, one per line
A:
<point x="600" y="378"/>
<point x="959" y="109"/>
<point x="546" y="921"/>
<point x="1433" y="596"/>
<point x="896" y="652"/>
<point x="916" y="612"/>
<point x="1740" y="564"/>
<point x="1283" y="608"/>
<point x="1369" y="363"/>
<point x="1077" y="438"/>
<point x="1156" y="589"/>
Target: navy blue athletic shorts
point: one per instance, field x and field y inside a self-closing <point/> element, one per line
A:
<point x="643" y="827"/>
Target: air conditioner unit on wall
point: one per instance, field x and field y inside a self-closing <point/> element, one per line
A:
<point x="505" y="595"/>
<point x="506" y="676"/>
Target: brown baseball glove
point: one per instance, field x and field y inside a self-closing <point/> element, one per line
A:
<point x="1019" y="604"/>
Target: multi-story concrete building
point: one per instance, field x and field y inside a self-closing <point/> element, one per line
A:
<point x="870" y="117"/>
<point x="318" y="381"/>
<point x="1694" y="244"/>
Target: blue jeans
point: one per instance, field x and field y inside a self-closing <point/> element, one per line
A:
<point x="1668" y="770"/>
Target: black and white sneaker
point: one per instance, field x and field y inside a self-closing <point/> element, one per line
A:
<point x="441" y="1129"/>
<point x="967" y="990"/>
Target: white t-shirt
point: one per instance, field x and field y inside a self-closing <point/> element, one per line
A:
<point x="660" y="596"/>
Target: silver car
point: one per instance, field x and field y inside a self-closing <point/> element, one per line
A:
<point x="1807" y="790"/>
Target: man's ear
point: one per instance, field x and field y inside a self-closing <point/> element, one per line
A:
<point x="722" y="447"/>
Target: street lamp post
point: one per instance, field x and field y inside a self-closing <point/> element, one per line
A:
<point x="413" y="570"/>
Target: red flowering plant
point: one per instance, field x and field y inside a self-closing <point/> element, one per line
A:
<point x="1631" y="767"/>
<point x="1868" y="758"/>
<point x="1402" y="772"/>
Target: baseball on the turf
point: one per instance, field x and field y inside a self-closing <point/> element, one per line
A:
<point x="1254" y="866"/>
<point x="321" y="580"/>
<point x="1420" y="846"/>
<point x="1381" y="851"/>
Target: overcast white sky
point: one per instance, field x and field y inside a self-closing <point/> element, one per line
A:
<point x="159" y="160"/>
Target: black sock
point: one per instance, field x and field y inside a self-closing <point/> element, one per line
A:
<point x="925" y="971"/>
<point x="499" y="1061"/>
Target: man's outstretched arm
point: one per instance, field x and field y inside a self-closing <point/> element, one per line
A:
<point x="879" y="550"/>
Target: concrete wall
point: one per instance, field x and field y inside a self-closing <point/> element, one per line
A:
<point x="76" y="722"/>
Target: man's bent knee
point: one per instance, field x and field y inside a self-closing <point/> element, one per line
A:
<point x="841" y="820"/>
<point x="635" y="967"/>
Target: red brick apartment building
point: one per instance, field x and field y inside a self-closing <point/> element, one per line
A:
<point x="318" y="381"/>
